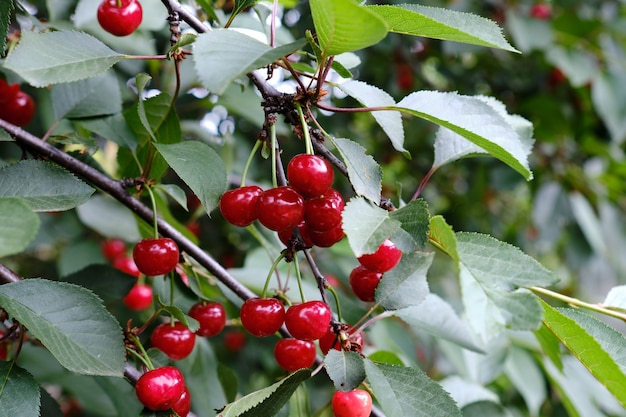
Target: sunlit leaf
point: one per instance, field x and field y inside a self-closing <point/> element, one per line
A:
<point x="406" y="284"/>
<point x="364" y="172"/>
<point x="345" y="369"/>
<point x="366" y="225"/>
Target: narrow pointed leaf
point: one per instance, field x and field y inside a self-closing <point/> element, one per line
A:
<point x="345" y="26"/>
<point x="60" y="57"/>
<point x="588" y="350"/>
<point x="345" y="369"/>
<point x="218" y="63"/>
<point x="408" y="392"/>
<point x="371" y="96"/>
<point x="70" y="321"/>
<point x="476" y="119"/>
<point x="366" y="225"/>
<point x="267" y="401"/>
<point x="18" y="226"/>
<point x="364" y="172"/>
<point x="43" y="186"/>
<point x="444" y="24"/>
<point x="200" y="167"/>
<point x="19" y="393"/>
<point x="406" y="284"/>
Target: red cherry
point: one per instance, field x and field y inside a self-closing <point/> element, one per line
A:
<point x="356" y="403"/>
<point x="238" y="205"/>
<point x="286" y="235"/>
<point x="211" y="316"/>
<point x="541" y="11"/>
<point x="4" y="353"/>
<point x="175" y="340"/>
<point x="113" y="248"/>
<point x="310" y="175"/>
<point x="280" y="208"/>
<point x="328" y="238"/>
<point x="294" y="354"/>
<point x="16" y="107"/>
<point x="139" y="297"/>
<point x="331" y="340"/>
<point x="183" y="405"/>
<point x="308" y="321"/>
<point x="386" y="257"/>
<point x="156" y="256"/>
<point x="323" y="213"/>
<point x="126" y="265"/>
<point x="120" y="17"/>
<point x="363" y="282"/>
<point x="159" y="389"/>
<point x="262" y="317"/>
<point x="235" y="340"/>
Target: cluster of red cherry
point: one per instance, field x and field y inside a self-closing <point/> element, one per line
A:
<point x="16" y="106"/>
<point x="308" y="204"/>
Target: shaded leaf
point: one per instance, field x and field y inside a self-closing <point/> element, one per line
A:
<point x="95" y="96"/>
<point x="549" y="345"/>
<point x="18" y="226"/>
<point x="366" y="225"/>
<point x="526" y="375"/>
<point x="70" y="321"/>
<point x="414" y="220"/>
<point x="60" y="57"/>
<point x="109" y="217"/>
<point x="6" y="8"/>
<point x="43" y="186"/>
<point x="406" y="284"/>
<point x="364" y="172"/>
<point x="345" y="369"/>
<point x="19" y="393"/>
<point x="345" y="26"/>
<point x="113" y="128"/>
<point x="444" y="24"/>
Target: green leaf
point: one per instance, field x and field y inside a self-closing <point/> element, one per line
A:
<point x="364" y="172"/>
<point x="200" y="167"/>
<point x="408" y="392"/>
<point x="345" y="26"/>
<point x="109" y="217"/>
<point x="218" y="63"/>
<point x="6" y="8"/>
<point x="406" y="284"/>
<point x="366" y="225"/>
<point x="442" y="236"/>
<point x="345" y="369"/>
<point x="4" y="136"/>
<point x="467" y="392"/>
<point x="616" y="298"/>
<point x="587" y="349"/>
<point x="95" y="96"/>
<point x="18" y="226"/>
<point x="70" y="321"/>
<point x="19" y="393"/>
<point x="477" y="119"/>
<point x="179" y="315"/>
<point x="43" y="186"/>
<point x="607" y="91"/>
<point x="59" y="57"/>
<point x="267" y="401"/>
<point x="549" y="345"/>
<point x="436" y="317"/>
<point x="141" y="81"/>
<point x="525" y="374"/>
<point x="414" y="220"/>
<point x="113" y="128"/>
<point x="370" y="96"/>
<point x="108" y="283"/>
<point x="444" y="24"/>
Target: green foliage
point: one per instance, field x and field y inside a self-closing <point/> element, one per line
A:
<point x="19" y="394"/>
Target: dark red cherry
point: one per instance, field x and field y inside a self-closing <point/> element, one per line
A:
<point x="120" y="17"/>
<point x="286" y="235"/>
<point x="323" y="213"/>
<point x="310" y="175"/>
<point x="175" y="340"/>
<point x="238" y="205"/>
<point x="156" y="256"/>
<point x="182" y="407"/>
<point x="308" y="321"/>
<point x="211" y="316"/>
<point x="262" y="317"/>
<point x="328" y="238"/>
<point x="386" y="257"/>
<point x="280" y="208"/>
<point x="364" y="281"/>
<point x="159" y="389"/>
<point x="294" y="354"/>
<point x="16" y="107"/>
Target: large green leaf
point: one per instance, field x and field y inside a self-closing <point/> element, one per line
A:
<point x="366" y="225"/>
<point x="406" y="284"/>
<point x="113" y="128"/>
<point x="200" y="167"/>
<point x="18" y="226"/>
<point x="445" y="24"/>
<point x="70" y="321"/>
<point x="223" y="55"/>
<point x="364" y="172"/>
<point x="590" y="351"/>
<point x="345" y="369"/>
<point x="60" y="57"/>
<point x="477" y="119"/>
<point x="414" y="220"/>
<point x="267" y="401"/>
<point x="6" y="8"/>
<point x="95" y="96"/>
<point x="19" y="393"/>
<point x="345" y="26"/>
<point x="43" y="186"/>
<point x="408" y="392"/>
<point x="109" y="217"/>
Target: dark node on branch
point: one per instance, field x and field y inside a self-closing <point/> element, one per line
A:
<point x="386" y="204"/>
<point x="129" y="182"/>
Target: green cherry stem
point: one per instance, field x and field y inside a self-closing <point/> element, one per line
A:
<point x="575" y="302"/>
<point x="273" y="144"/>
<point x="337" y="303"/>
<point x="154" y="210"/>
<point x="270" y="273"/>
<point x="305" y="129"/>
<point x="299" y="278"/>
<point x="244" y="174"/>
<point x="144" y="358"/>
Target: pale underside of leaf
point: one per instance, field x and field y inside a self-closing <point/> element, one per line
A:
<point x="364" y="172"/>
<point x="366" y="225"/>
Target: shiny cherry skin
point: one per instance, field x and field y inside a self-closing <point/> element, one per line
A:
<point x="286" y="235"/>
<point x="156" y="256"/>
<point x="159" y="389"/>
<point x="211" y="316"/>
<point x="294" y="354"/>
<point x="310" y="175"/>
<point x="176" y="340"/>
<point x="113" y="249"/>
<point x="364" y="282"/>
<point x="139" y="297"/>
<point x="127" y="265"/>
<point x="120" y="17"/>
<point x="238" y="206"/>
<point x="386" y="257"/>
<point x="323" y="213"/>
<point x="182" y="407"/>
<point x="309" y="320"/>
<point x="262" y="317"/>
<point x="355" y="403"/>
<point x="280" y="208"/>
<point x="331" y="340"/>
<point x="328" y="238"/>
<point x="16" y="107"/>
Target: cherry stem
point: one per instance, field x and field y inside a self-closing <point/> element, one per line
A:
<point x="144" y="358"/>
<point x="423" y="183"/>
<point x="154" y="210"/>
<point x="305" y="129"/>
<point x="599" y="308"/>
<point x="270" y="273"/>
<point x="256" y="147"/>
<point x="338" y="304"/>
<point x="273" y="24"/>
<point x="299" y="278"/>
<point x="273" y="144"/>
